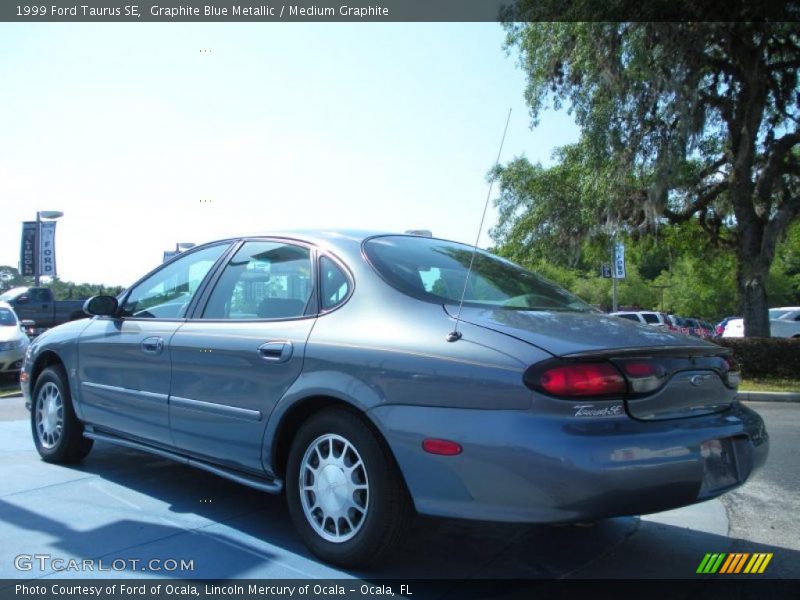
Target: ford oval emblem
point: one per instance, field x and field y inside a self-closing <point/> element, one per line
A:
<point x="699" y="380"/>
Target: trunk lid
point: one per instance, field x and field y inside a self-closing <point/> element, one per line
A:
<point x="574" y="333"/>
<point x="692" y="375"/>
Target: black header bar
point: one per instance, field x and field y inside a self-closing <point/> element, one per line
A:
<point x="137" y="11"/>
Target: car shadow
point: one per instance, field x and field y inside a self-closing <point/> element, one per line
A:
<point x="231" y="531"/>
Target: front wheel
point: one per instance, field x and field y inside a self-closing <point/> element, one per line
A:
<point x="57" y="432"/>
<point x="345" y="494"/>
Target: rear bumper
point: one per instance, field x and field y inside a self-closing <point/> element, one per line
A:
<point x="522" y="467"/>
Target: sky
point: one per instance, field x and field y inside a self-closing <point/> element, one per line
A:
<point x="146" y="135"/>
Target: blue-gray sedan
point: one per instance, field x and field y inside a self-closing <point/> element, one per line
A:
<point x="340" y="367"/>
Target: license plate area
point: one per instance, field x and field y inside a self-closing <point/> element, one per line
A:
<point x="720" y="466"/>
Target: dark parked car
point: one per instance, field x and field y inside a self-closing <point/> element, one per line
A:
<point x="331" y="366"/>
<point x="699" y="328"/>
<point x="37" y="304"/>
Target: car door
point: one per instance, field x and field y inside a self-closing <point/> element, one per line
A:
<point x="242" y="351"/>
<point x="124" y="361"/>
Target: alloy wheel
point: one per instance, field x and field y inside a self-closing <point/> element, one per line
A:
<point x="49" y="415"/>
<point x="334" y="488"/>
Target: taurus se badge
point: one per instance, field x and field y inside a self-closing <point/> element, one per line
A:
<point x="589" y="410"/>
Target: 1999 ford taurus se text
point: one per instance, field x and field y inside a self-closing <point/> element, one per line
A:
<point x="327" y="364"/>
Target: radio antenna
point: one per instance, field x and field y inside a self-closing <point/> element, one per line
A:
<point x="455" y="335"/>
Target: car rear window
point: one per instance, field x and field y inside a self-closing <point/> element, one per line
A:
<point x="629" y="316"/>
<point x="435" y="271"/>
<point x="650" y="318"/>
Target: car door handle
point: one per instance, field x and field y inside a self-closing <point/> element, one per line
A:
<point x="277" y="352"/>
<point x="152" y="345"/>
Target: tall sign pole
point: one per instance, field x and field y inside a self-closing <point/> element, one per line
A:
<point x="38" y="245"/>
<point x="617" y="271"/>
<point x="613" y="293"/>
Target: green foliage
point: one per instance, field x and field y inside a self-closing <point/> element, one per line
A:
<point x="689" y="122"/>
<point x="699" y="278"/>
<point x="784" y="276"/>
<point x="62" y="290"/>
<point x="10" y="278"/>
<point x="703" y="286"/>
<point x="67" y="290"/>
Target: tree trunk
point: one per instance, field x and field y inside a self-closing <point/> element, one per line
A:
<point x="751" y="279"/>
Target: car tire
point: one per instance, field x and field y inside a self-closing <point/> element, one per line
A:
<point x="346" y="496"/>
<point x="57" y="432"/>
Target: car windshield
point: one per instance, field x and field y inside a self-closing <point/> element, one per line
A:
<point x="435" y="271"/>
<point x="7" y="318"/>
<point x="777" y="313"/>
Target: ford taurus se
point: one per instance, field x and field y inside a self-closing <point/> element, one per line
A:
<point x="343" y="369"/>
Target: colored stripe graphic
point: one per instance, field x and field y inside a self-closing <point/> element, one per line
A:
<point x="703" y="563"/>
<point x="727" y="564"/>
<point x="755" y="562"/>
<point x="730" y="564"/>
<point x="767" y="558"/>
<point x="711" y="563"/>
<point x="740" y="562"/>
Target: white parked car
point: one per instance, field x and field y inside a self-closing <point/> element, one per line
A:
<point x="783" y="322"/>
<point x="13" y="340"/>
<point x="647" y="317"/>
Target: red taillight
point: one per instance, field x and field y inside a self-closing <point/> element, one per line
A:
<point x="640" y="369"/>
<point x="582" y="379"/>
<point x="733" y="377"/>
<point x="643" y="375"/>
<point x="443" y="447"/>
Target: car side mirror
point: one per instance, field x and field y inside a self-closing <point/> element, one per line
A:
<point x="21" y="300"/>
<point x="103" y="306"/>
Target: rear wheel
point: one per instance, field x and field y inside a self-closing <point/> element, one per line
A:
<point x="345" y="494"/>
<point x="57" y="432"/>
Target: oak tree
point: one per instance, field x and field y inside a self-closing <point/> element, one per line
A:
<point x="689" y="120"/>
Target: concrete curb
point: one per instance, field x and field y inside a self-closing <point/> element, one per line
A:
<point x="769" y="396"/>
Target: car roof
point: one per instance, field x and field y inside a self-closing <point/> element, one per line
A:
<point x="334" y="234"/>
<point x="334" y="237"/>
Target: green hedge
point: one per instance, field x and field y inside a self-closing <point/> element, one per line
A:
<point x="765" y="357"/>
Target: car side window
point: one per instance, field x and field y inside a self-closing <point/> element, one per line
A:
<point x="166" y="294"/>
<point x="334" y="285"/>
<point x="264" y="280"/>
<point x="630" y="317"/>
<point x="38" y="296"/>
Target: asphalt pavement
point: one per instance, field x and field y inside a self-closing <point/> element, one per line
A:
<point x="122" y="504"/>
